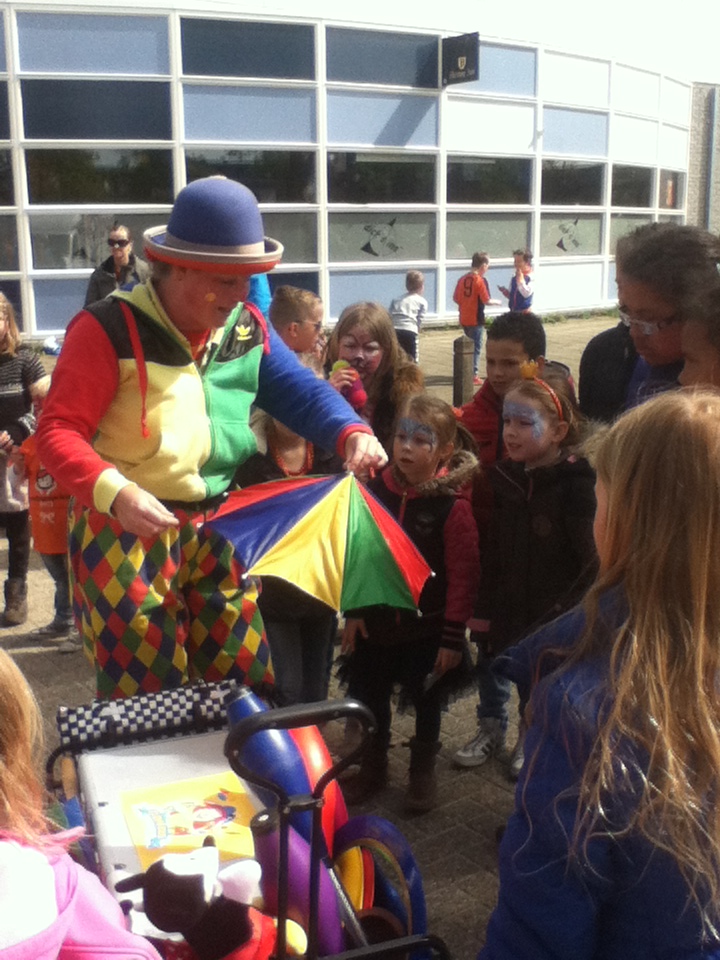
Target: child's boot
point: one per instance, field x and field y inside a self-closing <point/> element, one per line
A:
<point x="372" y="775"/>
<point x="421" y="793"/>
<point x="15" y="602"/>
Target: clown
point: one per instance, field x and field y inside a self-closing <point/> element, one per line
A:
<point x="145" y="424"/>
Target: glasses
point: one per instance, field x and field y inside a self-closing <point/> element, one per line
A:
<point x="118" y="243"/>
<point x="371" y="349"/>
<point x="646" y="327"/>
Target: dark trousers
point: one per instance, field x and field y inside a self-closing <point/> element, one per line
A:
<point x="374" y="670"/>
<point x="408" y="341"/>
<point x="17" y="530"/>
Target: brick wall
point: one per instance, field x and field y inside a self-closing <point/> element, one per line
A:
<point x="703" y="204"/>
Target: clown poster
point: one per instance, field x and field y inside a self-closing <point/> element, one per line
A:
<point x="176" y="817"/>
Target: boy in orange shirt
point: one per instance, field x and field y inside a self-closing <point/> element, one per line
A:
<point x="49" y="520"/>
<point x="472" y="294"/>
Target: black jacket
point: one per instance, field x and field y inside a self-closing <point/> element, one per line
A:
<point x="540" y="556"/>
<point x="606" y="368"/>
<point x="102" y="280"/>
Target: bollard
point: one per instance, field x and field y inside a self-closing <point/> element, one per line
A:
<point x="463" y="387"/>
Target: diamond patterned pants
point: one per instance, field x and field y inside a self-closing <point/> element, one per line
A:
<point x="155" y="612"/>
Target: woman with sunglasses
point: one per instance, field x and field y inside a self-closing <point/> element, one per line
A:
<point x="122" y="267"/>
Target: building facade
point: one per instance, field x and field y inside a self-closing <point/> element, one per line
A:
<point x="363" y="165"/>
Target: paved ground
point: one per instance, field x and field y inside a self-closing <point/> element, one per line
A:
<point x="455" y="844"/>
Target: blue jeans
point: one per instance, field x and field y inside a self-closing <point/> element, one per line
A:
<point x="299" y="650"/>
<point x="494" y="691"/>
<point x="57" y="566"/>
<point x="476" y="335"/>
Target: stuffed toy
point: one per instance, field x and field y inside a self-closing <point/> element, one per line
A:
<point x="187" y="893"/>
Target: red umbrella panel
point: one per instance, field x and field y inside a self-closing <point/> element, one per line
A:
<point x="326" y="535"/>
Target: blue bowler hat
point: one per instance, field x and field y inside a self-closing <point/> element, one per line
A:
<point x="215" y="225"/>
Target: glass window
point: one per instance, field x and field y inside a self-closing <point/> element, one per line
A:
<point x="4" y="113"/>
<point x="274" y="176"/>
<point x="631" y="186"/>
<point x="381" y="236"/>
<point x="56" y="302"/>
<point x="382" y="120"/>
<point x="622" y="223"/>
<point x="96" y="110"/>
<point x="380" y="178"/>
<point x="575" y="131"/>
<point x="7" y="196"/>
<point x="65" y="240"/>
<point x="381" y="286"/>
<point x="472" y="126"/>
<point x="496" y="233"/>
<point x="76" y="43"/>
<point x="243" y="48"/>
<point x="372" y="56"/>
<point x="297" y="232"/>
<point x="570" y="235"/>
<point x="295" y="278"/>
<point x="99" y="176"/>
<point x="488" y="180"/>
<point x="509" y="70"/>
<point x="8" y="245"/>
<point x="575" y="80"/>
<point x="248" y="115"/>
<point x="672" y="190"/>
<point x="569" y="182"/>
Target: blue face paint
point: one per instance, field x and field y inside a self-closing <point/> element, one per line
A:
<point x="526" y="414"/>
<point x="415" y="432"/>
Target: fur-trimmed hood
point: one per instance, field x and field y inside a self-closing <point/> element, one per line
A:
<point x="455" y="477"/>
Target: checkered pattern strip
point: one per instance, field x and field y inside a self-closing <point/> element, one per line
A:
<point x="155" y="612"/>
<point x="150" y="716"/>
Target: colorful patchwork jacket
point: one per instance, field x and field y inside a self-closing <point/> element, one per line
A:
<point x="129" y="405"/>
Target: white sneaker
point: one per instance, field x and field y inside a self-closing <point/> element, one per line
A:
<point x="489" y="739"/>
<point x="517" y="757"/>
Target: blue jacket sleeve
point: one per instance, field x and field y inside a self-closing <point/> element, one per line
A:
<point x="296" y="397"/>
<point x="548" y="906"/>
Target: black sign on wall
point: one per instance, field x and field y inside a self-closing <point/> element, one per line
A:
<point x="460" y="58"/>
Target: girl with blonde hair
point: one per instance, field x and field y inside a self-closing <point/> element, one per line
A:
<point x="365" y="338"/>
<point x="613" y="850"/>
<point x="51" y="906"/>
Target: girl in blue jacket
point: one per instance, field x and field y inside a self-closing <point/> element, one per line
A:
<point x="613" y="850"/>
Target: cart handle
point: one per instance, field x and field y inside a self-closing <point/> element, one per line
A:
<point x="285" y="718"/>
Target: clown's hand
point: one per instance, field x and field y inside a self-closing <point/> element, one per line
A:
<point x="141" y="513"/>
<point x="363" y="453"/>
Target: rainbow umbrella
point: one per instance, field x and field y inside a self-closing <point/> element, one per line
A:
<point x="326" y="535"/>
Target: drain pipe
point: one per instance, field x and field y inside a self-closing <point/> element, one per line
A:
<point x="710" y="182"/>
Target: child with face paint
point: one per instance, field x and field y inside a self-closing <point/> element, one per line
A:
<point x="365" y="338"/>
<point x="432" y="465"/>
<point x="540" y="555"/>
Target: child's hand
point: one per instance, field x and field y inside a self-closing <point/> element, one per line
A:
<point x="446" y="660"/>
<point x="342" y="378"/>
<point x="504" y="291"/>
<point x="6" y="442"/>
<point x="353" y="626"/>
